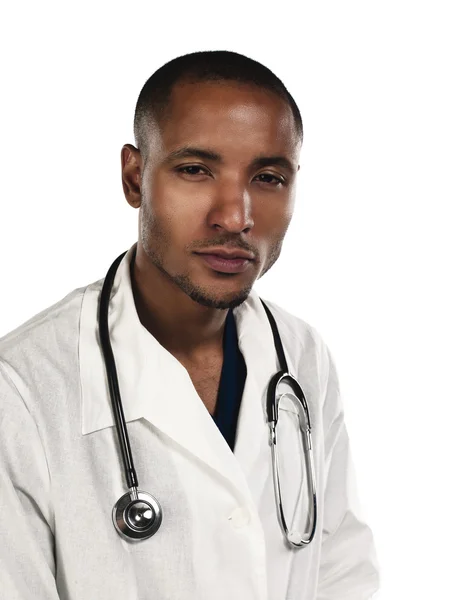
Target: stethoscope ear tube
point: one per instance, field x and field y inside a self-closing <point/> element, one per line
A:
<point x="295" y="540"/>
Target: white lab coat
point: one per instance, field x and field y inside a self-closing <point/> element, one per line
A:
<point x="61" y="472"/>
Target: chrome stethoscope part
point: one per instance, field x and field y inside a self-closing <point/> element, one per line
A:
<point x="137" y="515"/>
<point x="294" y="538"/>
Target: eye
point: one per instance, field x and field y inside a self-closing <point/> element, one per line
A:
<point x="278" y="180"/>
<point x="184" y="169"/>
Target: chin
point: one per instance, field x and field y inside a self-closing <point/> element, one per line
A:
<point x="213" y="294"/>
<point x="220" y="301"/>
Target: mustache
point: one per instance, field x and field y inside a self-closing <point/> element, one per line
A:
<point x="231" y="244"/>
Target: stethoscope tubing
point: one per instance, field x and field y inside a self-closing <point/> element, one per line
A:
<point x="143" y="502"/>
<point x="111" y="371"/>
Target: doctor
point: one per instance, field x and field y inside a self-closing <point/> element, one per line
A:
<point x="214" y="176"/>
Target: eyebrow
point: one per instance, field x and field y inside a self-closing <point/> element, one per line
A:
<point x="206" y="154"/>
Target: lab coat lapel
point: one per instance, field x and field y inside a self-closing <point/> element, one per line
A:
<point x="154" y="385"/>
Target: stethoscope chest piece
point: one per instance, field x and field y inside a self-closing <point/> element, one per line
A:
<point x="137" y="515"/>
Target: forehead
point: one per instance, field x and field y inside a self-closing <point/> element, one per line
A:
<point x="231" y="114"/>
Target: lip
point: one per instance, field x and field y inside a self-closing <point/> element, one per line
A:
<point x="225" y="265"/>
<point x="228" y="253"/>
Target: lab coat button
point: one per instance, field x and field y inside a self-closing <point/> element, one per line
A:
<point x="239" y="517"/>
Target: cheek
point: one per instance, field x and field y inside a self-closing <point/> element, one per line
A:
<point x="272" y="221"/>
<point x="171" y="217"/>
<point x="175" y="202"/>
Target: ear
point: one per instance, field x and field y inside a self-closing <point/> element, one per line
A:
<point x="131" y="161"/>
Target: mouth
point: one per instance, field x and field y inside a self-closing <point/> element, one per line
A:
<point x="225" y="265"/>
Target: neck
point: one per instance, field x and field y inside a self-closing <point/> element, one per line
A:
<point x="184" y="327"/>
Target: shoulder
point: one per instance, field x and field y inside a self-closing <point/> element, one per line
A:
<point x="312" y="362"/>
<point x="43" y="350"/>
<point x="303" y="339"/>
<point x="311" y="359"/>
<point x="37" y="326"/>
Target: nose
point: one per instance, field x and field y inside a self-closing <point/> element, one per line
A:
<point x="231" y="209"/>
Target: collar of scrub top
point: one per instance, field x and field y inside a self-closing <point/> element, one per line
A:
<point x="155" y="386"/>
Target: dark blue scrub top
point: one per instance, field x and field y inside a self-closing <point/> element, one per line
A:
<point x="232" y="381"/>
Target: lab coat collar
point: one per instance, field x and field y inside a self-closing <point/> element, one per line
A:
<point x="155" y="386"/>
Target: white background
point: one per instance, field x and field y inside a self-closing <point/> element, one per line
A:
<point x="366" y="258"/>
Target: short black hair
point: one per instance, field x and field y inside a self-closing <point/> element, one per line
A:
<point x="208" y="65"/>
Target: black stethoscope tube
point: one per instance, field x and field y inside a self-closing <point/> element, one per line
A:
<point x="137" y="514"/>
<point x="111" y="371"/>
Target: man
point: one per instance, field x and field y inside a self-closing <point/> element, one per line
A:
<point x="214" y="177"/>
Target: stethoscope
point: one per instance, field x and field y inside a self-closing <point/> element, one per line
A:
<point x="137" y="515"/>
